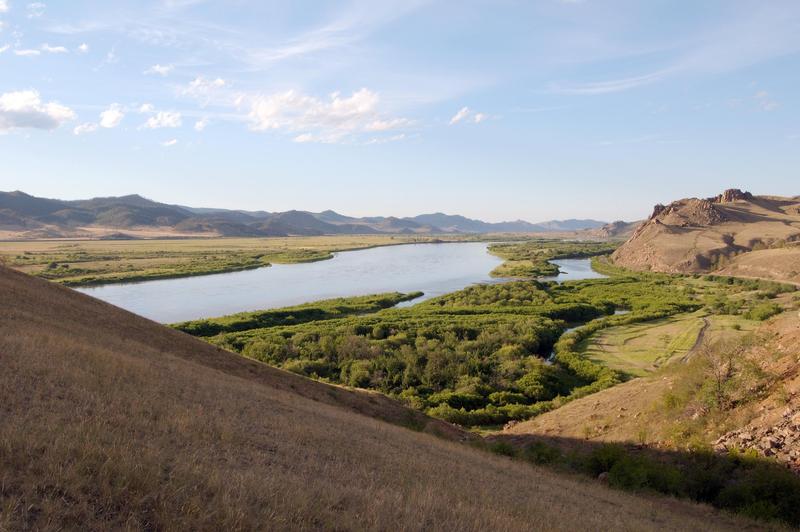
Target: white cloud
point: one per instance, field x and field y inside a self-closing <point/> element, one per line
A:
<point x="161" y="70"/>
<point x="164" y="119"/>
<point x="25" y="109"/>
<point x="83" y="48"/>
<point x="3" y="6"/>
<point x="460" y="115"/>
<point x="320" y="120"/>
<point x="169" y="143"/>
<point x="203" y="89"/>
<point x="605" y="87"/>
<point x="305" y="137"/>
<point x="111" y="117"/>
<point x="387" y="125"/>
<point x="27" y="53"/>
<point x="201" y="124"/>
<point x="147" y="108"/>
<point x="765" y="102"/>
<point x="36" y="9"/>
<point x="54" y="49"/>
<point x="4" y="48"/>
<point x="465" y="114"/>
<point x="384" y="140"/>
<point x="83" y="129"/>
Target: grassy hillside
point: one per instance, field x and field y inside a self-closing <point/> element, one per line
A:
<point x="108" y="420"/>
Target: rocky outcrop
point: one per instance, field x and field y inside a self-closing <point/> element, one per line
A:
<point x="780" y="441"/>
<point x="731" y="195"/>
<point x="697" y="235"/>
<point x="691" y="212"/>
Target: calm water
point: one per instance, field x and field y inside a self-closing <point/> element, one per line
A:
<point x="574" y="270"/>
<point x="434" y="269"/>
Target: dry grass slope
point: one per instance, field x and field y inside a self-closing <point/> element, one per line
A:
<point x="737" y="233"/>
<point x="108" y="420"/>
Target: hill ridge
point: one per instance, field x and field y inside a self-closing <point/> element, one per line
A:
<point x="26" y="216"/>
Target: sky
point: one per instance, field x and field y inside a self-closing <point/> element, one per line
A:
<point x="499" y="110"/>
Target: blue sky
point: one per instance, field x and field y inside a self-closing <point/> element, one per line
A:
<point x="493" y="109"/>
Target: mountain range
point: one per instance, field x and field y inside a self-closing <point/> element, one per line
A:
<point x="26" y="216"/>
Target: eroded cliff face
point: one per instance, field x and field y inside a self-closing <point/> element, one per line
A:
<point x="697" y="235"/>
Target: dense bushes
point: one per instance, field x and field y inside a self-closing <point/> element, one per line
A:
<point x="318" y="310"/>
<point x="738" y="482"/>
<point x="763" y="311"/>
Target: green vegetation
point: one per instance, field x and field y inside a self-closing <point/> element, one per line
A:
<point x="474" y="357"/>
<point x="763" y="311"/>
<point x="531" y="259"/>
<point x="319" y="310"/>
<point x="739" y="482"/>
<point x="487" y="354"/>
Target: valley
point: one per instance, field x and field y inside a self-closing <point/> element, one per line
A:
<point x="632" y="375"/>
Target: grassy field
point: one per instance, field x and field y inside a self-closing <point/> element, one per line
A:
<point x="642" y="348"/>
<point x="87" y="262"/>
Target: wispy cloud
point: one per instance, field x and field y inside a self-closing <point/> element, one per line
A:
<point x="751" y="36"/>
<point x="465" y="114"/>
<point x="86" y="128"/>
<point x="54" y="49"/>
<point x="169" y="143"/>
<point x="36" y="9"/>
<point x="161" y="70"/>
<point x="608" y="86"/>
<point x="765" y="102"/>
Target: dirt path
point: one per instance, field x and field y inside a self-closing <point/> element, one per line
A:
<point x="697" y="343"/>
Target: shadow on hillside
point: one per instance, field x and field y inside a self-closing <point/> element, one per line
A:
<point x="740" y="482"/>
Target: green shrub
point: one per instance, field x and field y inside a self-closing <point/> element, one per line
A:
<point x="541" y="453"/>
<point x="763" y="311"/>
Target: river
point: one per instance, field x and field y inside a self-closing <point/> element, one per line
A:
<point x="434" y="269"/>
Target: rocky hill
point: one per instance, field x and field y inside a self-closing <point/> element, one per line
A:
<point x="23" y="216"/>
<point x="716" y="234"/>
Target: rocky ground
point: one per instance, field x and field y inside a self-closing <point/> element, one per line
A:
<point x="780" y="441"/>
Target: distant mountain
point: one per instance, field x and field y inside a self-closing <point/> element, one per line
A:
<point x="26" y="216"/>
<point x="459" y="224"/>
<point x="571" y="225"/>
<point x="618" y="229"/>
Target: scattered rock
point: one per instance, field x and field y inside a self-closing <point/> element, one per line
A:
<point x="603" y="477"/>
<point x="780" y="440"/>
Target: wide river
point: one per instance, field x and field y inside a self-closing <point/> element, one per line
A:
<point x="434" y="269"/>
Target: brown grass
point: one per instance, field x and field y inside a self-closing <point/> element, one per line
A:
<point x="108" y="420"/>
